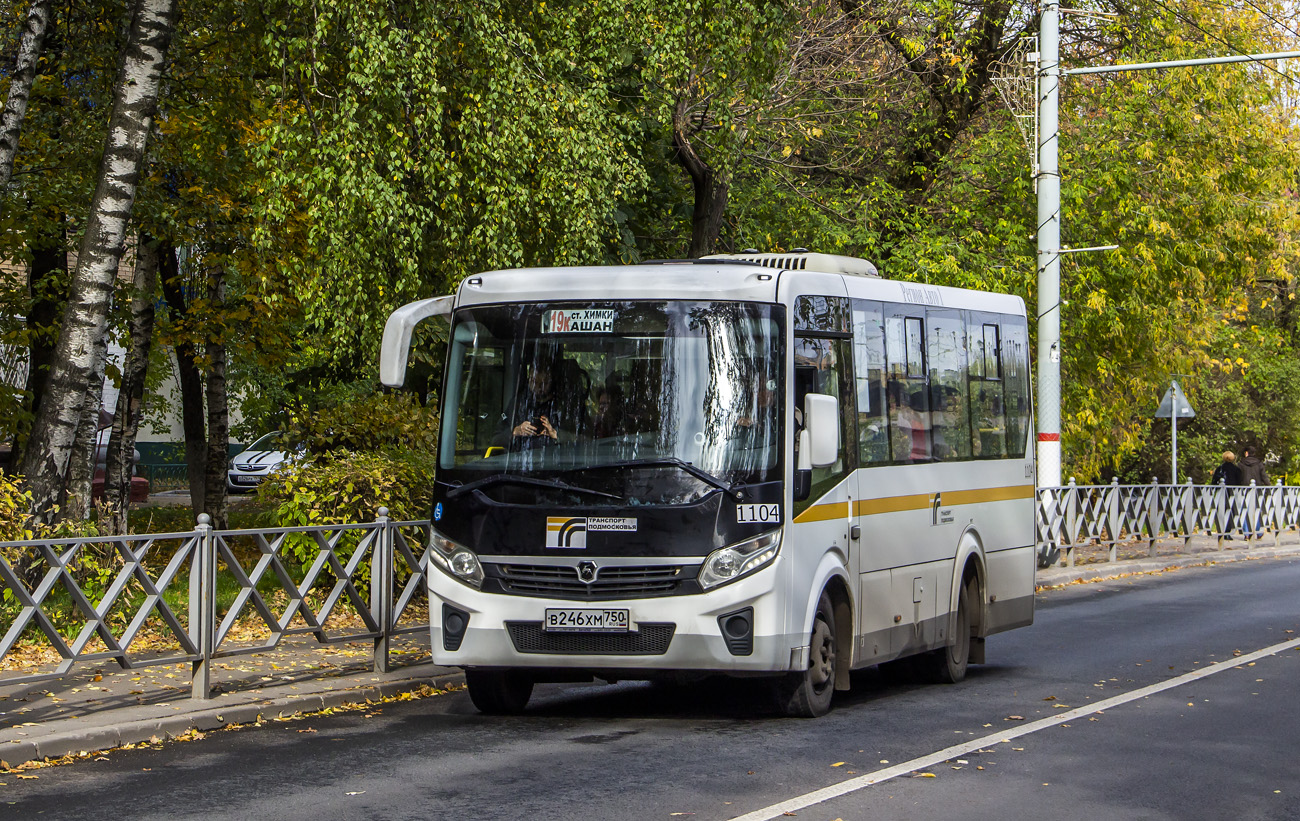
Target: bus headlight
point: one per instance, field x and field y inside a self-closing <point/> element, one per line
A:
<point x="456" y="560"/>
<point x="737" y="560"/>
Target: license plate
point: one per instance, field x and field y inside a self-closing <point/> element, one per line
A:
<point x="586" y="621"/>
<point x="247" y="480"/>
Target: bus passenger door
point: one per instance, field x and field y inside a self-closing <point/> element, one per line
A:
<point x="822" y="366"/>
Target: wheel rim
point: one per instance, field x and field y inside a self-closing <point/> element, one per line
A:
<point x="822" y="671"/>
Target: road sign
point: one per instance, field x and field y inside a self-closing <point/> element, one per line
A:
<point x="1174" y="398"/>
<point x="1174" y="406"/>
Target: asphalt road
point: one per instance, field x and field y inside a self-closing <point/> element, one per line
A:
<point x="1216" y="736"/>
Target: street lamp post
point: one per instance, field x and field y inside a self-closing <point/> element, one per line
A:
<point x="1049" y="248"/>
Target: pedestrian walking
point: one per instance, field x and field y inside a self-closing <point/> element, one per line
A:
<point x="1252" y="470"/>
<point x="1229" y="474"/>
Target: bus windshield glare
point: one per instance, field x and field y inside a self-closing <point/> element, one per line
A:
<point x="636" y="402"/>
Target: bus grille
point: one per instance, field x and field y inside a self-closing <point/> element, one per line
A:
<point x="612" y="581"/>
<point x="648" y="640"/>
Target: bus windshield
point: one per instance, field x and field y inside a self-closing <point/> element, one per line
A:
<point x="630" y="403"/>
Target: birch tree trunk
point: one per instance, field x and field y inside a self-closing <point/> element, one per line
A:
<point x="130" y="402"/>
<point x="20" y="89"/>
<point x="135" y="98"/>
<point x="81" y="465"/>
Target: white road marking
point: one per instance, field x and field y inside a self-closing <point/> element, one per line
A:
<point x="864" y="781"/>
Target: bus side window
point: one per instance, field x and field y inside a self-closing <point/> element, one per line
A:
<point x="949" y="399"/>
<point x="869" y="374"/>
<point x="1015" y="368"/>
<point x="988" y="419"/>
<point x="907" y="398"/>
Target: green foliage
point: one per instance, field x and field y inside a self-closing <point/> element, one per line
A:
<point x="14" y="503"/>
<point x="418" y="141"/>
<point x="365" y="423"/>
<point x="347" y="487"/>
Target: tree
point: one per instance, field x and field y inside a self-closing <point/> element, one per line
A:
<point x="20" y="85"/>
<point x="119" y="460"/>
<point x="85" y="319"/>
<point x="418" y="141"/>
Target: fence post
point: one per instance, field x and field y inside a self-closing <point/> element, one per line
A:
<point x="1069" y="506"/>
<point x="381" y="589"/>
<point x="1251" y="509"/>
<point x="1155" y="515"/>
<point x="203" y="608"/>
<point x="1277" y="512"/>
<point x="1221" y="511"/>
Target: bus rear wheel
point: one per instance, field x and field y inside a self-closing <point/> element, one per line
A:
<point x="948" y="664"/>
<point x="498" y="692"/>
<point x="807" y="694"/>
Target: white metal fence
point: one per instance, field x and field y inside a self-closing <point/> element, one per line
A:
<point x="273" y="583"/>
<point x="1073" y="516"/>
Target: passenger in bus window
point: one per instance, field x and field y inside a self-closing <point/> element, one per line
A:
<point x="910" y="435"/>
<point x="609" y="420"/>
<point x="540" y="413"/>
<point x="758" y="422"/>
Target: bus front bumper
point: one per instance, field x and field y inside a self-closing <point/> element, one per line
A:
<point x="504" y="631"/>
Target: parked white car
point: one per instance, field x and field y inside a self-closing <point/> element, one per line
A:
<point x="249" y="467"/>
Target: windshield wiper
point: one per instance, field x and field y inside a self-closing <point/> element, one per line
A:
<point x="511" y="478"/>
<point x="672" y="461"/>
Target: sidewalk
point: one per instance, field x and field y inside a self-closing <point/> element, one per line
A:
<point x="100" y="706"/>
<point x="1091" y="563"/>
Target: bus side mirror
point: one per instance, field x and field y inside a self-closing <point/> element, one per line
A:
<point x="821" y="415"/>
<point x="802" y="484"/>
<point x="396" y="346"/>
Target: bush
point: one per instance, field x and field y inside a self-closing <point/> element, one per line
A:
<point x="14" y="504"/>
<point x="345" y="487"/>
<point x="93" y="569"/>
<point x="371" y="423"/>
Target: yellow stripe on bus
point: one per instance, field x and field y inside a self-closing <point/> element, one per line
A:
<point x="989" y="494"/>
<point x="893" y="504"/>
<point x="915" y="501"/>
<point x="822" y="513"/>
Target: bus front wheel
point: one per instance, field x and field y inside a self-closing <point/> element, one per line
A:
<point x="807" y="694"/>
<point x="498" y="692"/>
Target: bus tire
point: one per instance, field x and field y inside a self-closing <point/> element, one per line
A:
<point x="498" y="692"/>
<point x="807" y="694"/>
<point x="948" y="664"/>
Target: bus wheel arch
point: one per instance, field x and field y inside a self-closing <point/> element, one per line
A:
<point x="970" y="572"/>
<point x="837" y="591"/>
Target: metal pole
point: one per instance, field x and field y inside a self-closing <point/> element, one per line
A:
<point x="1174" y="471"/>
<point x="1049" y="248"/>
<point x="381" y="590"/>
<point x="1201" y="61"/>
<point x="203" y="612"/>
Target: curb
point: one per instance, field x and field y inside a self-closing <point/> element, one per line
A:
<point x="99" y="739"/>
<point x="1057" y="577"/>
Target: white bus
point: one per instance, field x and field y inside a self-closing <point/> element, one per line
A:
<point x="755" y="465"/>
